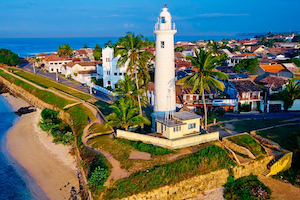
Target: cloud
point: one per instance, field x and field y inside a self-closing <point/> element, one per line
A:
<point x="128" y="25"/>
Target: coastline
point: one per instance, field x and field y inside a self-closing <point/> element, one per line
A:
<point x="49" y="170"/>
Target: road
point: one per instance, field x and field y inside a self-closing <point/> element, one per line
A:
<point x="264" y="115"/>
<point x="97" y="94"/>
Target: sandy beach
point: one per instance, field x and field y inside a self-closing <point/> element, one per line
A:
<point x="51" y="165"/>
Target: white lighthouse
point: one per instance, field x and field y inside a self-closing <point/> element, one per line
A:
<point x="164" y="90"/>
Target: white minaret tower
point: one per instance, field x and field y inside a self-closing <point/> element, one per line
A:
<point x="164" y="90"/>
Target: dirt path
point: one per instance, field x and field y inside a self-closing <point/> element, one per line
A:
<point x="281" y="190"/>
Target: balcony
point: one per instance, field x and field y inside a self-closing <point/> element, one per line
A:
<point x="251" y="98"/>
<point x="164" y="26"/>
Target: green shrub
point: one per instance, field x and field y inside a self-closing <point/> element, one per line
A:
<point x="48" y="114"/>
<point x="98" y="177"/>
<point x="220" y="112"/>
<point x="242" y="188"/>
<point x="148" y="148"/>
<point x="8" y="57"/>
<point x="245" y="108"/>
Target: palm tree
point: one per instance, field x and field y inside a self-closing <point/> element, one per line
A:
<point x="85" y="46"/>
<point x="291" y="92"/>
<point x="214" y="47"/>
<point x="125" y="115"/>
<point x="130" y="53"/>
<point x="68" y="51"/>
<point x="204" y="76"/>
<point x="60" y="50"/>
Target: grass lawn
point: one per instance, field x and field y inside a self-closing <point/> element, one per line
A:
<point x="104" y="107"/>
<point x="247" y="141"/>
<point x="47" y="83"/>
<point x="249" y="125"/>
<point x="203" y="161"/>
<point x="98" y="128"/>
<point x="121" y="152"/>
<point x="288" y="137"/>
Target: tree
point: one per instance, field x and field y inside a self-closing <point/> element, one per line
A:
<point x="246" y="65"/>
<point x="291" y="92"/>
<point x="130" y="53"/>
<point x="179" y="49"/>
<point x="213" y="47"/>
<point x="125" y="115"/>
<point x="204" y="76"/>
<point x="108" y="43"/>
<point x="65" y="50"/>
<point x="85" y="46"/>
<point x="97" y="48"/>
<point x="8" y="57"/>
<point x="97" y="52"/>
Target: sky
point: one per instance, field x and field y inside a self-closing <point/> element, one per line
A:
<point x="103" y="18"/>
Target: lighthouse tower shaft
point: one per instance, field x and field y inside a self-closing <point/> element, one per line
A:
<point x="164" y="66"/>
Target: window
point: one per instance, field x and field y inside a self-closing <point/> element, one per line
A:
<point x="108" y="82"/>
<point x="124" y="74"/>
<point x="52" y="69"/>
<point x="163" y="20"/>
<point x="177" y="128"/>
<point x="120" y="74"/>
<point x="162" y="128"/>
<point x="107" y="59"/>
<point x="162" y="44"/>
<point x="108" y="72"/>
<point x="56" y="63"/>
<point x="60" y="63"/>
<point x="51" y="63"/>
<point x="115" y="73"/>
<point x="66" y="63"/>
<point x="193" y="125"/>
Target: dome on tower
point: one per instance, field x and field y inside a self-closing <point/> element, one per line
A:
<point x="165" y="13"/>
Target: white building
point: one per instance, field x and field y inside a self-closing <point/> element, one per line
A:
<point x="54" y="63"/>
<point x="108" y="71"/>
<point x="80" y="71"/>
<point x="164" y="67"/>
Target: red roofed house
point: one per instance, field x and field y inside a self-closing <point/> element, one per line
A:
<point x="277" y="70"/>
<point x="41" y="55"/>
<point x="80" y="71"/>
<point x="54" y="63"/>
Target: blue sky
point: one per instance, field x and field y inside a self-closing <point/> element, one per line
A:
<point x="98" y="18"/>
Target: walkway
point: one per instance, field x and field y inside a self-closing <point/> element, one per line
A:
<point x="281" y="190"/>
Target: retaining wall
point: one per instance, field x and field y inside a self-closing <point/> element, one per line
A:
<point x="173" y="144"/>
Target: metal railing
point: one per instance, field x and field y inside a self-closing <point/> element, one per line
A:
<point x="164" y="26"/>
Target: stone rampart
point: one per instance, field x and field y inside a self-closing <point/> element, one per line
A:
<point x="187" y="188"/>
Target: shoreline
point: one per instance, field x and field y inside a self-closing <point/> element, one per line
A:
<point x="47" y="168"/>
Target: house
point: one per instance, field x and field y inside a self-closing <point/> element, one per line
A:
<point x="85" y="54"/>
<point x="248" y="93"/>
<point x="108" y="71"/>
<point x="291" y="67"/>
<point x="277" y="70"/>
<point x="41" y="56"/>
<point x="54" y="63"/>
<point x="274" y="83"/>
<point x="181" y="124"/>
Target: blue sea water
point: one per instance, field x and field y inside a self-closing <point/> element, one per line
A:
<point x="12" y="185"/>
<point x="32" y="46"/>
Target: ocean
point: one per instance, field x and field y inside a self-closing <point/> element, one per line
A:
<point x="12" y="185"/>
<point x="32" y="46"/>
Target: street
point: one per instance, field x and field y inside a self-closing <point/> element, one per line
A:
<point x="97" y="94"/>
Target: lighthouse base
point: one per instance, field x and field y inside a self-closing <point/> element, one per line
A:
<point x="158" y="114"/>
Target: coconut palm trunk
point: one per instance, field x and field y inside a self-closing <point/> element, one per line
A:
<point x="205" y="111"/>
<point x="138" y="95"/>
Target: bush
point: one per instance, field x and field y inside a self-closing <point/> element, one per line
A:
<point x="98" y="177"/>
<point x="48" y="114"/>
<point x="220" y="112"/>
<point x="246" y="188"/>
<point x="245" y="108"/>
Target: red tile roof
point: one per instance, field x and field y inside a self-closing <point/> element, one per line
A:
<point x="40" y="55"/>
<point x="272" y="68"/>
<point x="56" y="58"/>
